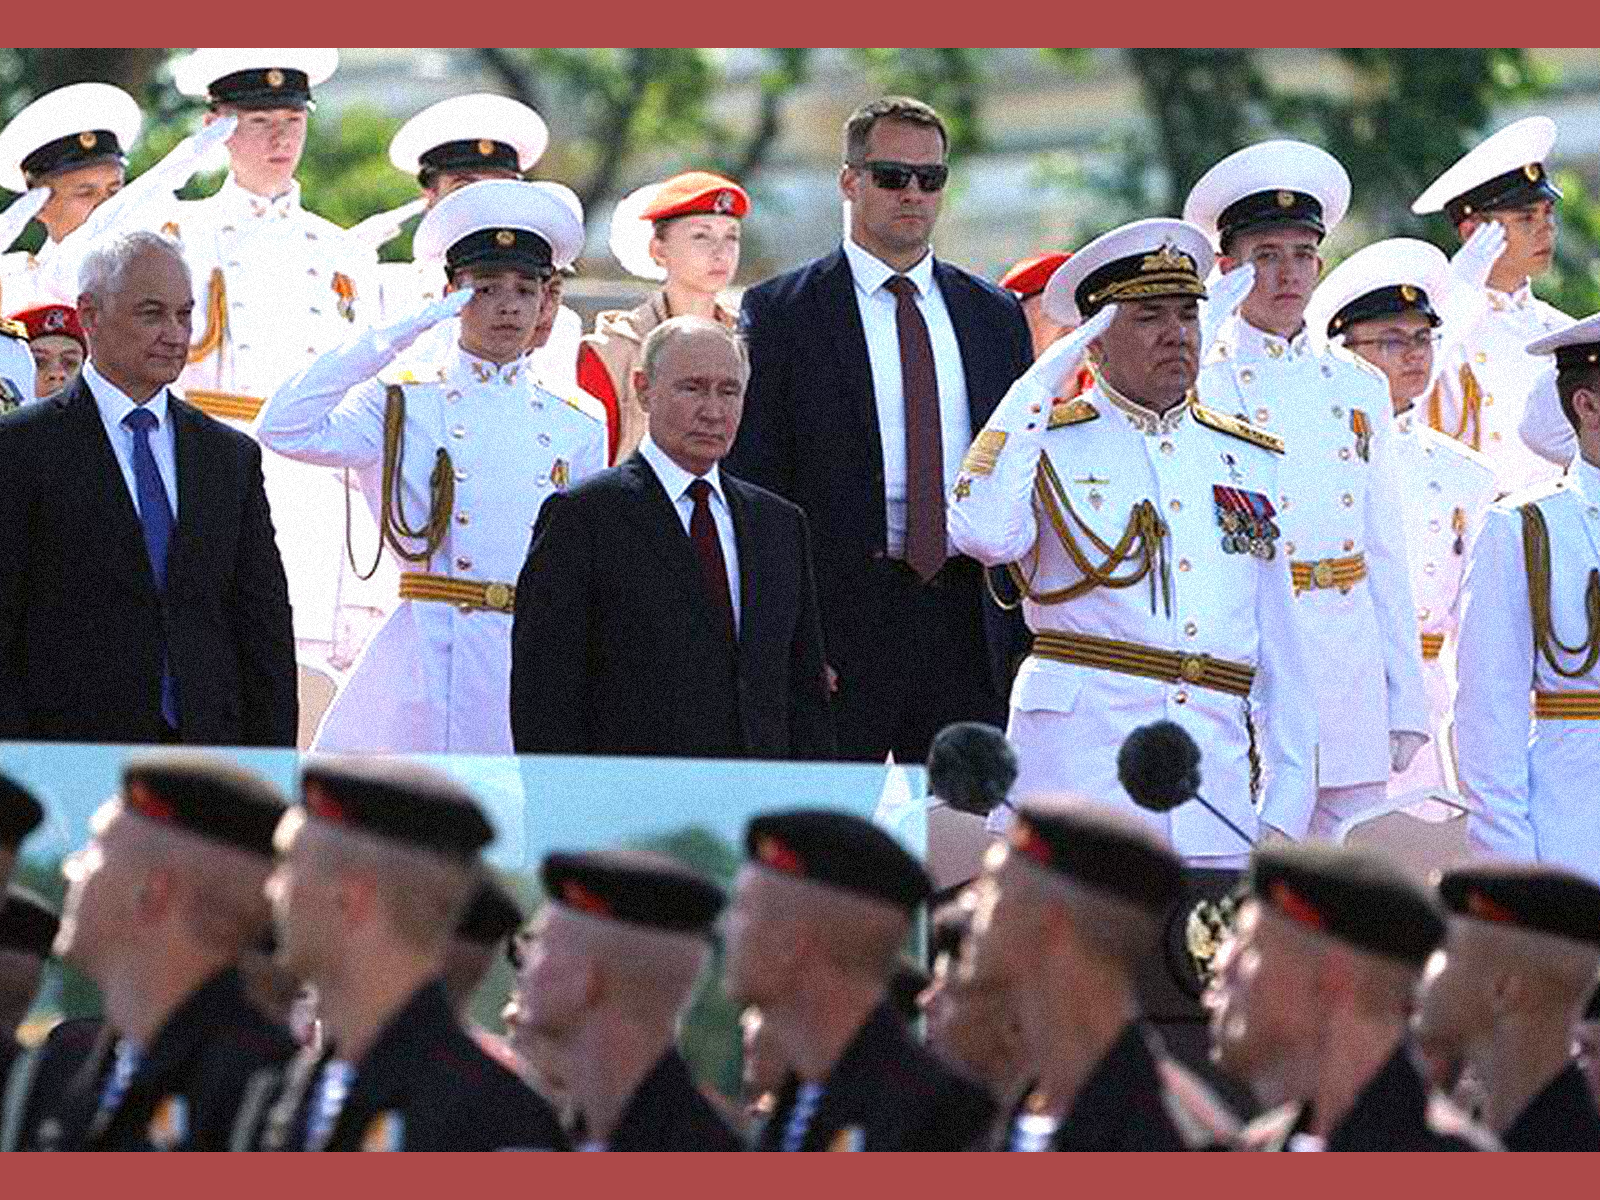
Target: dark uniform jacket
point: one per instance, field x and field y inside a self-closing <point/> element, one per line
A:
<point x="886" y="1092"/>
<point x="187" y="1089"/>
<point x="40" y="1078"/>
<point x="616" y="647"/>
<point x="82" y="625"/>
<point x="424" y="1085"/>
<point x="1134" y="1100"/>
<point x="1561" y="1117"/>
<point x="667" y="1112"/>
<point x="1393" y="1112"/>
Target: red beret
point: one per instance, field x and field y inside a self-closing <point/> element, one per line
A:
<point x="1030" y="275"/>
<point x="53" y="320"/>
<point x="697" y="192"/>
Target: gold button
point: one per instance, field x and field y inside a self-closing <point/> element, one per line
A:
<point x="461" y="475"/>
<point x="1283" y="504"/>
<point x="1288" y="548"/>
<point x="544" y="439"/>
<point x="497" y="595"/>
<point x="1191" y="628"/>
<point x="1033" y="408"/>
<point x="458" y="431"/>
<point x="1337" y="411"/>
<point x="463" y="564"/>
<point x="452" y="396"/>
<point x="1274" y="349"/>
<point x="311" y="271"/>
<point x="1247" y="376"/>
<point x="1327" y="371"/>
<point x="1488" y="401"/>
<point x="1433" y="485"/>
<point x="1181" y="696"/>
<point x="1347" y="499"/>
<point x="1175" y="505"/>
<point x="1494" y="435"/>
<point x="1344" y="453"/>
<point x="1263" y="416"/>
<point x="1183" y="564"/>
<point x="1167" y="447"/>
<point x="1480" y="358"/>
<point x="1349" y="545"/>
<point x="1434" y="525"/>
<point x="463" y="518"/>
<point x="1428" y="568"/>
<point x="1424" y="613"/>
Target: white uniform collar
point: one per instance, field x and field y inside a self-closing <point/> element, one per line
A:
<point x="1585" y="479"/>
<point x="468" y="366"/>
<point x="246" y="204"/>
<point x="1405" y="423"/>
<point x="674" y="479"/>
<point x="1145" y="420"/>
<point x="1510" y="301"/>
<point x="871" y="272"/>
<point x="1250" y="342"/>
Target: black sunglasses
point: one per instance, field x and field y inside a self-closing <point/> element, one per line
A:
<point x="893" y="176"/>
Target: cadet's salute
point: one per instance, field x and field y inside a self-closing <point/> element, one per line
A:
<point x="1143" y="532"/>
<point x="455" y="457"/>
<point x="1530" y="620"/>
<point x="1269" y="206"/>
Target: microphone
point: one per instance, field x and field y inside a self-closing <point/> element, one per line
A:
<point x="1159" y="767"/>
<point x="971" y="767"/>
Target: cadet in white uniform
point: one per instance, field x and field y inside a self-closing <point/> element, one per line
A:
<point x="1143" y="532"/>
<point x="455" y="460"/>
<point x="1380" y="303"/>
<point x="68" y="150"/>
<point x="1269" y="206"/>
<point x="17" y="372"/>
<point x="1530" y="620"/>
<point x="1482" y="397"/>
<point x="276" y="287"/>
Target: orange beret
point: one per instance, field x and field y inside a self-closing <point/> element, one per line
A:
<point x="53" y="320"/>
<point x="1030" y="275"/>
<point x="697" y="192"/>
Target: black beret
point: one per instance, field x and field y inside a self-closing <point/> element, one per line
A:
<point x="1530" y="896"/>
<point x="641" y="887"/>
<point x="1100" y="850"/>
<point x="20" y="813"/>
<point x="971" y="766"/>
<point x="839" y="850"/>
<point x="1511" y="189"/>
<point x="398" y="801"/>
<point x="26" y="923"/>
<point x="209" y="796"/>
<point x="492" y="916"/>
<point x="1273" y="207"/>
<point x="1360" y="899"/>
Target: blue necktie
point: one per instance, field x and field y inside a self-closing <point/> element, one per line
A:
<point x="155" y="516"/>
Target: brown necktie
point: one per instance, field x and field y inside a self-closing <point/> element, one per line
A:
<point x="925" y="528"/>
<point x="708" y="548"/>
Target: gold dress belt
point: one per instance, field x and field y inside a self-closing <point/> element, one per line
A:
<point x="1342" y="573"/>
<point x="1149" y="662"/>
<point x="468" y="593"/>
<point x="232" y="406"/>
<point x="1567" y="706"/>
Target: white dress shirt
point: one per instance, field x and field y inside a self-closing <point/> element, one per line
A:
<point x="114" y="406"/>
<point x="876" y="304"/>
<point x="676" y="481"/>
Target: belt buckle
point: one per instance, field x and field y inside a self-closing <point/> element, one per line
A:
<point x="1192" y="667"/>
<point x="497" y="596"/>
<point x="1322" y="573"/>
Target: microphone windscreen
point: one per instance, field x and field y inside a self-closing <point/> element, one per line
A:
<point x="1159" y="766"/>
<point x="971" y="766"/>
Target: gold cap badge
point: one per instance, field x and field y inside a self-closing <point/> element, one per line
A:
<point x="1285" y="199"/>
<point x="1408" y="293"/>
<point x="87" y="140"/>
<point x="485" y="147"/>
<point x="505" y="238"/>
<point x="1533" y="171"/>
<point x="275" y="78"/>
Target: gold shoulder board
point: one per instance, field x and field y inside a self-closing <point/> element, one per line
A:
<point x="14" y="329"/>
<point x="587" y="405"/>
<point x="1071" y="412"/>
<point x="1235" y="427"/>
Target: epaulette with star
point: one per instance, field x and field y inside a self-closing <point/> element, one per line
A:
<point x="1237" y="427"/>
<point x="1071" y="412"/>
<point x="14" y="329"/>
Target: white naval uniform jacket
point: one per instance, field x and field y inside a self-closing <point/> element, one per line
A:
<point x="1334" y="501"/>
<point x="1445" y="489"/>
<point x="436" y="678"/>
<point x="26" y="279"/>
<point x="1233" y="606"/>
<point x="17" y="372"/>
<point x="1531" y="782"/>
<point x="296" y="287"/>
<point x="1491" y="348"/>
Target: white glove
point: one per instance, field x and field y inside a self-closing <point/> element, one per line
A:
<point x="180" y="163"/>
<point x="23" y="209"/>
<point x="1060" y="362"/>
<point x="1403" y="747"/>
<point x="1223" y="299"/>
<point x="1471" y="264"/>
<point x="401" y="334"/>
<point x="385" y="226"/>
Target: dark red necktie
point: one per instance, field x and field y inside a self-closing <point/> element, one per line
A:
<point x="926" y="538"/>
<point x="708" y="548"/>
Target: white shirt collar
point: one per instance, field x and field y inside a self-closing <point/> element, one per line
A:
<point x="247" y="204"/>
<point x="1510" y="301"/>
<point x="674" y="478"/>
<point x="1586" y="478"/>
<point x="468" y="366"/>
<point x="115" y="404"/>
<point x="870" y="272"/>
<point x="1250" y="342"/>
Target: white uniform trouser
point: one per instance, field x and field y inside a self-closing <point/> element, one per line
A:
<point x="1338" y="808"/>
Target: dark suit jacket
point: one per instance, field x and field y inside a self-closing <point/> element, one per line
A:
<point x="81" y="621"/>
<point x="810" y="429"/>
<point x="887" y="1092"/>
<point x="1563" y="1116"/>
<point x="424" y="1085"/>
<point x="667" y="1112"/>
<point x="616" y="647"/>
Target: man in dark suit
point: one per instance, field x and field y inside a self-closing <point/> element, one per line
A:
<point x="142" y="598"/>
<point x="666" y="607"/>
<point x="871" y="371"/>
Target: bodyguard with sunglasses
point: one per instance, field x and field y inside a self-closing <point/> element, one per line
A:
<point x="871" y="370"/>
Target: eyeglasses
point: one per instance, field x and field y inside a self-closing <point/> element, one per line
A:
<point x="1396" y="345"/>
<point x="894" y="176"/>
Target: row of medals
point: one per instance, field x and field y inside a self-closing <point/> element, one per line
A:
<point x="1243" y="534"/>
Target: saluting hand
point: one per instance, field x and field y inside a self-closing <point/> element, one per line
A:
<point x="23" y="209"/>
<point x="1223" y="298"/>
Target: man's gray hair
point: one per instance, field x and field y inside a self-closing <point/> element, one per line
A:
<point x="664" y="334"/>
<point x="103" y="268"/>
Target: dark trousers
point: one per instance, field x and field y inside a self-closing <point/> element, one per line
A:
<point x="923" y="665"/>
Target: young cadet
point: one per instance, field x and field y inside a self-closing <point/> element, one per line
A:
<point x="1530" y="620"/>
<point x="1322" y="971"/>
<point x="1269" y="206"/>
<point x="609" y="968"/>
<point x="1502" y="203"/>
<point x="820" y="910"/>
<point x="58" y="345"/>
<point x="1067" y="911"/>
<point x="455" y="458"/>
<point x="1505" y="995"/>
<point x="1385" y="303"/>
<point x="1143" y="529"/>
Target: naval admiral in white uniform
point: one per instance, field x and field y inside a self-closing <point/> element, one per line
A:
<point x="455" y="458"/>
